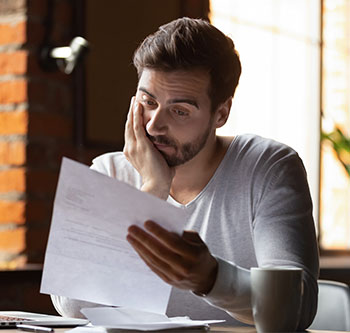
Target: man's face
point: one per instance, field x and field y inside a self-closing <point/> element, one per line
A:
<point x="176" y="112"/>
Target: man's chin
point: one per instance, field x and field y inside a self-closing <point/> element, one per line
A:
<point x="172" y="161"/>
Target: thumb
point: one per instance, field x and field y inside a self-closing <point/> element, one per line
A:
<point x="192" y="237"/>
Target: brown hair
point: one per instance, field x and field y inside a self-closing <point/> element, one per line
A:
<point x="185" y="44"/>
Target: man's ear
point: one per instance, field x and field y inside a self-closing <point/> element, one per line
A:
<point x="222" y="112"/>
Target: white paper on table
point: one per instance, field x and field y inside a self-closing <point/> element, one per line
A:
<point x="87" y="256"/>
<point x="127" y="318"/>
<point x="87" y="329"/>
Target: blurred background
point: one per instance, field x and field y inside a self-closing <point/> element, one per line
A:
<point x="66" y="79"/>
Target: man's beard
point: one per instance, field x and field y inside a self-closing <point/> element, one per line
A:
<point x="183" y="153"/>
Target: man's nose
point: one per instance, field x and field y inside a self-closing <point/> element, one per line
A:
<point x="156" y="123"/>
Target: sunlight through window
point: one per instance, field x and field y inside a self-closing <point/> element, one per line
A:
<point x="335" y="166"/>
<point x="279" y="91"/>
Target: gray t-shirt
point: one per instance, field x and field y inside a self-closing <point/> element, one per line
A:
<point x="256" y="210"/>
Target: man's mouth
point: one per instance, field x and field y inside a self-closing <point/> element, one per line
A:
<point x="158" y="144"/>
<point x="162" y="146"/>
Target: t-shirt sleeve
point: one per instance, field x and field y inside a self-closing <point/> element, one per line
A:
<point x="284" y="230"/>
<point x="231" y="291"/>
<point x="104" y="164"/>
<point x="283" y="234"/>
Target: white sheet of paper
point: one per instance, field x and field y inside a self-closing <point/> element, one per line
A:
<point x="87" y="255"/>
<point x="132" y="319"/>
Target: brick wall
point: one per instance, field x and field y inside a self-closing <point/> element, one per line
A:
<point x="36" y="126"/>
<point x="13" y="129"/>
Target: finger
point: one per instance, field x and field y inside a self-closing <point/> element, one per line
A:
<point x="139" y="129"/>
<point x="129" y="132"/>
<point x="146" y="243"/>
<point x="131" y="108"/>
<point x="169" y="276"/>
<point x="154" y="269"/>
<point x="162" y="268"/>
<point x="169" y="239"/>
<point x="152" y="244"/>
<point x="192" y="236"/>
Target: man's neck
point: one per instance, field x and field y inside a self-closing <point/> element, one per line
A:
<point x="191" y="177"/>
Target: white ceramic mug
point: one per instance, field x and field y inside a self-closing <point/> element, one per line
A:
<point x="276" y="298"/>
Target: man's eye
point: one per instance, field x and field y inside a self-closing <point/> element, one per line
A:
<point x="148" y="103"/>
<point x="180" y="113"/>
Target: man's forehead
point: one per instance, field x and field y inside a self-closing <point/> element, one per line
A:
<point x="177" y="81"/>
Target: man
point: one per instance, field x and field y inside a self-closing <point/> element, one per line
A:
<point x="247" y="197"/>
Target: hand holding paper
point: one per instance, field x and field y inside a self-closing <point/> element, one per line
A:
<point x="182" y="261"/>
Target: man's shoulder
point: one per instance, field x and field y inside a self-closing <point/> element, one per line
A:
<point x="111" y="157"/>
<point x="109" y="163"/>
<point x="255" y="146"/>
<point x="255" y="154"/>
<point x="263" y="161"/>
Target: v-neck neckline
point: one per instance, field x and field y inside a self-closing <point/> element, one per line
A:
<point x="211" y="180"/>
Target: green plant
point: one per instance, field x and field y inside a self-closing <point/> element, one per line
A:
<point x="341" y="145"/>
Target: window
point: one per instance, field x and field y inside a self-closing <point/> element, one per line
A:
<point x="335" y="179"/>
<point x="296" y="62"/>
<point x="279" y="92"/>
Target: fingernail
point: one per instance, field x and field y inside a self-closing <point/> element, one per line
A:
<point x="149" y="225"/>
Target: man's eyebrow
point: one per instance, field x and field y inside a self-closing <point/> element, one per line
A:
<point x="183" y="100"/>
<point x="174" y="100"/>
<point x="147" y="92"/>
